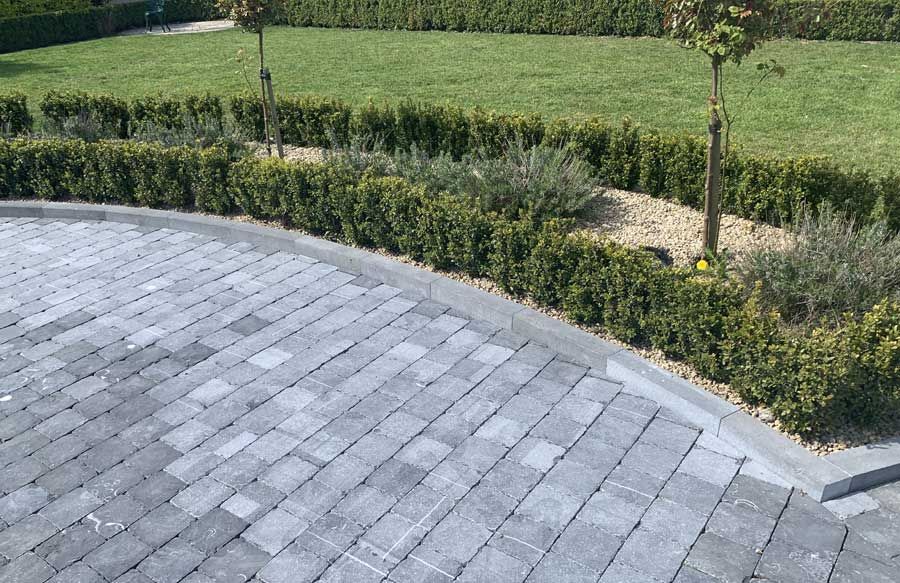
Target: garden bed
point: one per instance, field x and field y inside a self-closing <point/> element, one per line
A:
<point x="638" y="220"/>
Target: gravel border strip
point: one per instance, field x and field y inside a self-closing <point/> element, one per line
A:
<point x="823" y="478"/>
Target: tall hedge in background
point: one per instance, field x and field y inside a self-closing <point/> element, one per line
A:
<point x="847" y="19"/>
<point x="36" y="30"/>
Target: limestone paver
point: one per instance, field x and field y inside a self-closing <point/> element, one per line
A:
<point x="175" y="408"/>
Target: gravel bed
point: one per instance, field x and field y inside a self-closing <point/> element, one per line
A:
<point x="639" y="220"/>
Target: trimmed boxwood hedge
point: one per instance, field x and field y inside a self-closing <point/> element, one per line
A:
<point x="670" y="166"/>
<point x="15" y="118"/>
<point x="49" y="28"/>
<point x="855" y="20"/>
<point x="814" y="382"/>
<point x="861" y="20"/>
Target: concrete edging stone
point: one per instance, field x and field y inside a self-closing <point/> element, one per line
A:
<point x="823" y="478"/>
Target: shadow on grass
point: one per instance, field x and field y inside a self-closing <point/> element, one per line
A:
<point x="10" y="70"/>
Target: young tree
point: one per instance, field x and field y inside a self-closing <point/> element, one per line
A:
<point x="253" y="16"/>
<point x="726" y="31"/>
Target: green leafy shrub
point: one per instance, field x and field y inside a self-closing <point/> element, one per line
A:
<point x="626" y="17"/>
<point x="85" y="115"/>
<point x="14" y="116"/>
<point x="826" y="378"/>
<point x="13" y="8"/>
<point x="455" y="235"/>
<point x="845" y="19"/>
<point x="665" y="166"/>
<point x="305" y="120"/>
<point x="175" y="112"/>
<point x="110" y="172"/>
<point x="832" y="266"/>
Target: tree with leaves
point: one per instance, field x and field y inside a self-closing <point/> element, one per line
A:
<point x="253" y="16"/>
<point x="725" y="31"/>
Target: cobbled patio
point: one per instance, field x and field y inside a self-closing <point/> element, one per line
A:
<point x="177" y="409"/>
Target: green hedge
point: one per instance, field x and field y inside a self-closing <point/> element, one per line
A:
<point x="50" y="28"/>
<point x="113" y="117"/>
<point x="13" y="8"/>
<point x="844" y="19"/>
<point x="814" y="382"/>
<point x="15" y="118"/>
<point x="670" y="166"/>
<point x="130" y="173"/>
<point x="593" y="17"/>
<point x="174" y="113"/>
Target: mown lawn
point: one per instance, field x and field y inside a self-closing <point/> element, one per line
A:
<point x="838" y="98"/>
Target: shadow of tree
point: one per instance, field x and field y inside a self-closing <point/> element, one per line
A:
<point x="16" y="69"/>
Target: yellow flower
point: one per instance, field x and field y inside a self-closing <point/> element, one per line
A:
<point x="702" y="265"/>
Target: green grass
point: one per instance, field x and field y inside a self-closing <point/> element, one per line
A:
<point x="838" y="98"/>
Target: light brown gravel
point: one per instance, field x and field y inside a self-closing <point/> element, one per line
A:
<point x="639" y="220"/>
<point x="292" y="153"/>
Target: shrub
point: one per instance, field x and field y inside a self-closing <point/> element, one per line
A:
<point x="76" y="112"/>
<point x="547" y="181"/>
<point x="13" y="8"/>
<point x="109" y="172"/>
<point x="307" y="120"/>
<point x="846" y="19"/>
<point x="454" y="235"/>
<point x="666" y="166"/>
<point x="14" y="116"/>
<point x="362" y="155"/>
<point x="541" y="180"/>
<point x="832" y="266"/>
<point x="175" y="113"/>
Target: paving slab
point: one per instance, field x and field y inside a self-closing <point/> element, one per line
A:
<point x="215" y="410"/>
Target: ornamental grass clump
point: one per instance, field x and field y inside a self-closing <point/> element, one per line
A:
<point x="832" y="266"/>
<point x="546" y="181"/>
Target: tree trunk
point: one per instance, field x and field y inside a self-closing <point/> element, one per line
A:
<point x="713" y="168"/>
<point x="262" y="81"/>
<point x="273" y="108"/>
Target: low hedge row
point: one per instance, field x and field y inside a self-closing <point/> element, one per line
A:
<point x="49" y="28"/>
<point x="116" y="117"/>
<point x="15" y="118"/>
<point x="670" y="166"/>
<point x="861" y="20"/>
<point x="813" y="382"/>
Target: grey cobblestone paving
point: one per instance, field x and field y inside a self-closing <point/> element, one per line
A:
<point x="173" y="408"/>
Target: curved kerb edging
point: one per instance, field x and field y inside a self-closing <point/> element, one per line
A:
<point x="823" y="478"/>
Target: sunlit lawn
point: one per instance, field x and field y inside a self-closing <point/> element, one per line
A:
<point x="838" y="98"/>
